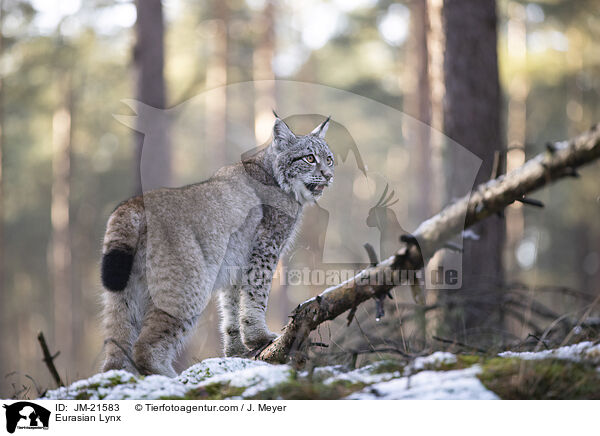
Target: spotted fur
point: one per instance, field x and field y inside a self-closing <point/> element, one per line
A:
<point x="164" y="254"/>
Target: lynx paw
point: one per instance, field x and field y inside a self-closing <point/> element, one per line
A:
<point x="114" y="362"/>
<point x="257" y="338"/>
<point x="234" y="348"/>
<point x="149" y="362"/>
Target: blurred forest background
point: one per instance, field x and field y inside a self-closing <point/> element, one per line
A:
<point x="65" y="65"/>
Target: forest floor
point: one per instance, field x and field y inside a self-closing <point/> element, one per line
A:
<point x="570" y="372"/>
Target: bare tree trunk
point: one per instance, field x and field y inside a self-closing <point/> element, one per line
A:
<point x="472" y="106"/>
<point x="418" y="104"/>
<point x="264" y="101"/>
<point x="516" y="123"/>
<point x="216" y="80"/>
<point x="435" y="73"/>
<point x="3" y="299"/>
<point x="60" y="254"/>
<point x="149" y="54"/>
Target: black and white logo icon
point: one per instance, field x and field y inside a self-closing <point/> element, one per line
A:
<point x="26" y="415"/>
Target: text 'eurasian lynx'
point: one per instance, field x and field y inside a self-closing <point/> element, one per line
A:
<point x="165" y="252"/>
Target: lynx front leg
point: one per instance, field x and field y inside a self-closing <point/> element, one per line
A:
<point x="254" y="298"/>
<point x="271" y="235"/>
<point x="229" y="305"/>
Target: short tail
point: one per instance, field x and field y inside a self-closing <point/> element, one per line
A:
<point x="120" y="242"/>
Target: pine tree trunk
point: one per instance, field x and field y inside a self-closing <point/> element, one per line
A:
<point x="216" y="80"/>
<point x="154" y="170"/>
<point x="472" y="105"/>
<point x="264" y="88"/>
<point x="3" y="298"/>
<point x="418" y="105"/>
<point x="516" y="123"/>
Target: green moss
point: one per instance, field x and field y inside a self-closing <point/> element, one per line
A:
<point x="117" y="380"/>
<point x="513" y="378"/>
<point x="467" y="360"/>
<point x="213" y="391"/>
<point x="462" y="361"/>
<point x="199" y="374"/>
<point x="309" y="390"/>
<point x="113" y="381"/>
<point x="293" y="389"/>
<point x="388" y="366"/>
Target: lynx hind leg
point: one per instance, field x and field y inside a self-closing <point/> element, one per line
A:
<point x="229" y="301"/>
<point x="160" y="339"/>
<point x="121" y="325"/>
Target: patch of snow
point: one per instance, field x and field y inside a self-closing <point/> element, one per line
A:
<point x="583" y="351"/>
<point x="150" y="387"/>
<point x="321" y="373"/>
<point x="423" y="378"/>
<point x="254" y="379"/>
<point x="216" y="366"/>
<point x="459" y="384"/>
<point x="120" y="385"/>
<point x="369" y="374"/>
<point x="362" y="375"/>
<point x="433" y="360"/>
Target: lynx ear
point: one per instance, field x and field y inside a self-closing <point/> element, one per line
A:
<point x="282" y="135"/>
<point x="321" y="129"/>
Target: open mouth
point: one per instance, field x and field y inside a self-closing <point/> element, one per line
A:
<point x="315" y="188"/>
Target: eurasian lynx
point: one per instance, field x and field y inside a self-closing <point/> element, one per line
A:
<point x="165" y="252"/>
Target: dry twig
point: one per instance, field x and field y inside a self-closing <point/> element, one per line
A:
<point x="49" y="359"/>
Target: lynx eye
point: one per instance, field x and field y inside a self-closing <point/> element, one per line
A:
<point x="329" y="160"/>
<point x="310" y="158"/>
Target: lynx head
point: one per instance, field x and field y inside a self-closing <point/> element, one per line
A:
<point x="303" y="164"/>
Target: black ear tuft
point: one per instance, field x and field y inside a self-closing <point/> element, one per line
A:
<point x="116" y="268"/>
<point x="282" y="134"/>
<point x="321" y="129"/>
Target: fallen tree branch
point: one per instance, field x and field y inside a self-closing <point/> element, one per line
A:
<point x="560" y="160"/>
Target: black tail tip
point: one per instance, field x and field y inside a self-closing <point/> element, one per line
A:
<point x="116" y="268"/>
